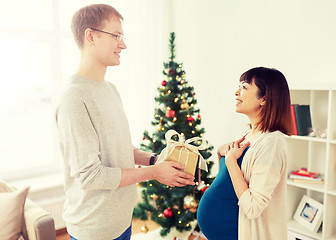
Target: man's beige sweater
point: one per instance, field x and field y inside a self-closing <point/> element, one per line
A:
<point x="96" y="144"/>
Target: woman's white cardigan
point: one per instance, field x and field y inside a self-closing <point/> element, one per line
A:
<point x="262" y="207"/>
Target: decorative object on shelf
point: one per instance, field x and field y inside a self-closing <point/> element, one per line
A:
<point x="309" y="213"/>
<point x="317" y="132"/>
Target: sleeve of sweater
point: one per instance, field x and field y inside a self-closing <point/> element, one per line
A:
<point x="266" y="170"/>
<point x="80" y="145"/>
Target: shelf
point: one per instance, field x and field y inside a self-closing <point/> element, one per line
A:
<point x="297" y="227"/>
<point x="312" y="139"/>
<point x="316" y="154"/>
<point x="332" y="192"/>
<point x="314" y="187"/>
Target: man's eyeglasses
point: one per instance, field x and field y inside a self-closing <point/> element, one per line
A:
<point x="119" y="37"/>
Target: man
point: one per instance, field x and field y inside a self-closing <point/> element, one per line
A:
<point x="95" y="140"/>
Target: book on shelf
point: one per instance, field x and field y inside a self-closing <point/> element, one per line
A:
<point x="309" y="181"/>
<point x="304" y="176"/>
<point x="303" y="119"/>
<point x="305" y="173"/>
<point x="295" y="131"/>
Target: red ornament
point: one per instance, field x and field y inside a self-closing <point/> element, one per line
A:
<point x="190" y="119"/>
<point x="143" y="138"/>
<point x="171" y="71"/>
<point x="168" y="213"/>
<point x="204" y="189"/>
<point x="199" y="116"/>
<point x="164" y="83"/>
<point x="170" y="113"/>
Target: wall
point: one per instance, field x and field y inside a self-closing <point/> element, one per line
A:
<point x="217" y="40"/>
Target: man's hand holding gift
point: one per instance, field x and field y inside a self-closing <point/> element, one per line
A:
<point x="172" y="174"/>
<point x="179" y="159"/>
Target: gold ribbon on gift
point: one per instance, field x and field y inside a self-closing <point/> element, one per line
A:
<point x="172" y="144"/>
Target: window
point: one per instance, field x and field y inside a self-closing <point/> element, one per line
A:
<point x="38" y="54"/>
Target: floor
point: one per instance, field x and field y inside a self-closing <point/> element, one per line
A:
<point x="138" y="226"/>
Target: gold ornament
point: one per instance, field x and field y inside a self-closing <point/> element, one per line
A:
<point x="144" y="229"/>
<point x="154" y="196"/>
<point x="193" y="203"/>
<point x="159" y="126"/>
<point x="184" y="105"/>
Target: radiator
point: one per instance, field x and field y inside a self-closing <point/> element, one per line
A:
<point x="55" y="207"/>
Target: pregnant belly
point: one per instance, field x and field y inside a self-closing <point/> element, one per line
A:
<point x="218" y="217"/>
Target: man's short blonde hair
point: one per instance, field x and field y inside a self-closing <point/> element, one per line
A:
<point x="92" y="16"/>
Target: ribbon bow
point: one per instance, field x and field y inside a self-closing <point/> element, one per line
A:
<point x="171" y="144"/>
<point x="198" y="235"/>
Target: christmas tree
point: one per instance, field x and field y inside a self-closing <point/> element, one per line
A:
<point x="176" y="109"/>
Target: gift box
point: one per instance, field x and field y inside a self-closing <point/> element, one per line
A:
<point x="184" y="156"/>
<point x="183" y="152"/>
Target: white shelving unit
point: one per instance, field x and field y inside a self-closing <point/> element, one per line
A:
<point x="318" y="155"/>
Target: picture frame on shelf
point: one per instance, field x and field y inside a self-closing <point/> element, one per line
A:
<point x="309" y="213"/>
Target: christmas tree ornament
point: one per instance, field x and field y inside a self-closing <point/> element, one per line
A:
<point x="190" y="119"/>
<point x="184" y="105"/>
<point x="170" y="113"/>
<point x="204" y="189"/>
<point x="164" y="83"/>
<point x="168" y="213"/>
<point x="193" y="203"/>
<point x="144" y="229"/>
<point x="199" y="116"/>
<point x="171" y="71"/>
<point x="154" y="196"/>
<point x="176" y="99"/>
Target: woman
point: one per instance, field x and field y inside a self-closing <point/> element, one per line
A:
<point x="247" y="200"/>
